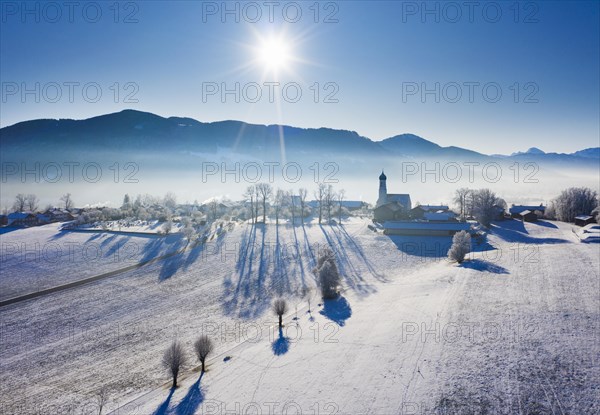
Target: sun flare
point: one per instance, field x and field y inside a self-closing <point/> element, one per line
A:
<point x="274" y="53"/>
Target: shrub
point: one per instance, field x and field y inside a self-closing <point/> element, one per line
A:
<point x="461" y="246"/>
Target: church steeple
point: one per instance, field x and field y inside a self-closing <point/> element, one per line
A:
<point x="382" y="200"/>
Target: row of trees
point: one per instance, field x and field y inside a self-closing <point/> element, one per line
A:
<point x="175" y="358"/>
<point x="481" y="204"/>
<point x="30" y="202"/>
<point x="263" y="198"/>
<point x="573" y="202"/>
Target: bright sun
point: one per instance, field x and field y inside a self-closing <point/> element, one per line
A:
<point x="274" y="53"/>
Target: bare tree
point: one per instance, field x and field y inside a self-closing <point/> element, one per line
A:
<point x="280" y="308"/>
<point x="302" y="193"/>
<point x="173" y="360"/>
<point x="213" y="209"/>
<point x="20" y="202"/>
<point x="340" y="198"/>
<point x="67" y="200"/>
<point x="278" y="204"/>
<point x="189" y="232"/>
<point x="461" y="199"/>
<point x="329" y="199"/>
<point x="320" y="195"/>
<point x="461" y="246"/>
<point x="265" y="191"/>
<point x="249" y="195"/>
<point x="102" y="398"/>
<point x="203" y="346"/>
<point x="292" y="203"/>
<point x="32" y="202"/>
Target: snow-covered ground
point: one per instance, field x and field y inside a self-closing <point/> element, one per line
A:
<point x="42" y="257"/>
<point x="512" y="330"/>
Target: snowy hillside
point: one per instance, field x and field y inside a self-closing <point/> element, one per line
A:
<point x="513" y="329"/>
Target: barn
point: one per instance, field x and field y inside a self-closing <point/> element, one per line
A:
<point x="583" y="220"/>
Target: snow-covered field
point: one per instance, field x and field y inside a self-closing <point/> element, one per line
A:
<point x="42" y="257"/>
<point x="512" y="330"/>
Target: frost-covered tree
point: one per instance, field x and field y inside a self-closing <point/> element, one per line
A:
<point x="265" y="191"/>
<point x="280" y="308"/>
<point x="250" y="196"/>
<point x="340" y="199"/>
<point x="302" y="194"/>
<point x="278" y="203"/>
<point x="461" y="246"/>
<point x="461" y="199"/>
<point x="328" y="274"/>
<point x="319" y="196"/>
<point x="329" y="200"/>
<point x="203" y="346"/>
<point x="167" y="227"/>
<point x="484" y="201"/>
<point x="170" y="201"/>
<point x="173" y="360"/>
<point x="575" y="201"/>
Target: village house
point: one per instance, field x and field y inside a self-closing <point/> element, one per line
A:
<point x="516" y="210"/>
<point x="583" y="220"/>
<point x="18" y="219"/>
<point x="527" y="216"/>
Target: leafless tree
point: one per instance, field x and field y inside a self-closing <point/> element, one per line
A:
<point x="340" y="198"/>
<point x="461" y="199"/>
<point x="461" y="246"/>
<point x="329" y="199"/>
<point x="320" y="195"/>
<point x="249" y="195"/>
<point x="280" y="308"/>
<point x="278" y="204"/>
<point x="102" y="398"/>
<point x="32" y="202"/>
<point x="67" y="200"/>
<point x="173" y="360"/>
<point x="302" y="194"/>
<point x="265" y="191"/>
<point x="203" y="346"/>
<point x="20" y="202"/>
<point x="292" y="203"/>
<point x="213" y="209"/>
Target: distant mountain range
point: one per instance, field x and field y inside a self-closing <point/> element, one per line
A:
<point x="131" y="132"/>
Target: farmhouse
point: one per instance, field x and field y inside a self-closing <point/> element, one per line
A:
<point x="515" y="210"/>
<point x="22" y="219"/>
<point x="58" y="215"/>
<point x="527" y="216"/>
<point x="390" y="206"/>
<point x="583" y="220"/>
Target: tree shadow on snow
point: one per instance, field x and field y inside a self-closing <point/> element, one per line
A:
<point x="164" y="407"/>
<point x="337" y="310"/>
<point x="514" y="231"/>
<point x="281" y="345"/>
<point x="480" y="265"/>
<point x="192" y="400"/>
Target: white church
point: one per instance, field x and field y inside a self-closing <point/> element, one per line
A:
<point x="391" y="206"/>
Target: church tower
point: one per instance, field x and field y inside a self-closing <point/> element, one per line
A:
<point x="382" y="200"/>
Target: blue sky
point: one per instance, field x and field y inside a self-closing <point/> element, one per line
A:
<point x="546" y="51"/>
